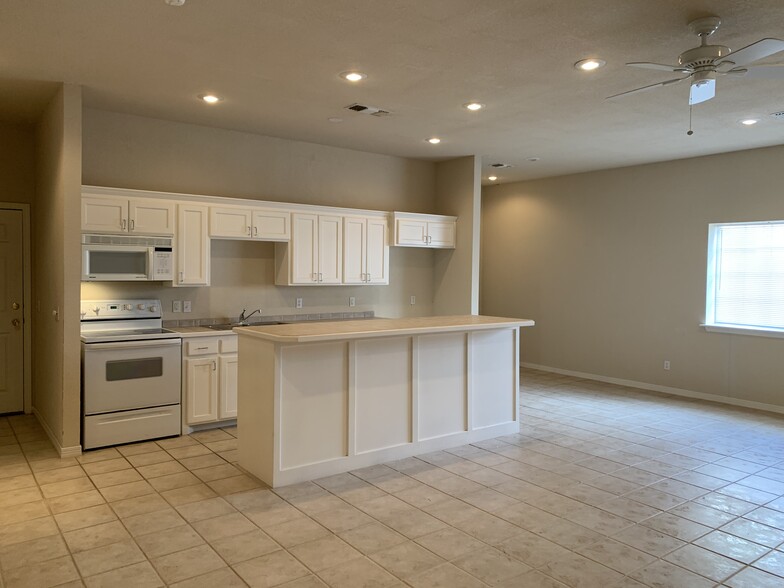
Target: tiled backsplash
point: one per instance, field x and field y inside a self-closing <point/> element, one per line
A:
<point x="288" y="318"/>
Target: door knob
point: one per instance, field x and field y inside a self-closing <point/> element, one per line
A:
<point x="15" y="306"/>
<point x="15" y="322"/>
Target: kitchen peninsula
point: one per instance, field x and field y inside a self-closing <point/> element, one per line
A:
<point x="320" y="398"/>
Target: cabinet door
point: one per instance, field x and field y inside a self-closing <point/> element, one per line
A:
<point x="201" y="390"/>
<point x="227" y="401"/>
<point x="230" y="223"/>
<point x="354" y="250"/>
<point x="193" y="246"/>
<point x="104" y="215"/>
<point x="330" y="249"/>
<point x="151" y="217"/>
<point x="271" y="225"/>
<point x="377" y="252"/>
<point x="411" y="232"/>
<point x="441" y="234"/>
<point x="304" y="248"/>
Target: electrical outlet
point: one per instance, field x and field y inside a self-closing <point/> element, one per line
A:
<point x="352" y="301"/>
<point x="667" y="364"/>
<point x="176" y="305"/>
<point x="413" y="300"/>
<point x="299" y="303"/>
<point x="186" y="306"/>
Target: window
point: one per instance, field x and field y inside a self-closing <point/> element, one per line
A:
<point x="746" y="278"/>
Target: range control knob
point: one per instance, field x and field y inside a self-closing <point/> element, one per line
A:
<point x="153" y="308"/>
<point x="127" y="307"/>
<point x="140" y="306"/>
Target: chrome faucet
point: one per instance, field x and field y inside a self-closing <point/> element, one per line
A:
<point x="243" y="318"/>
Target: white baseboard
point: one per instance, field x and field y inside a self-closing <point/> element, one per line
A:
<point x="658" y="388"/>
<point x="71" y="451"/>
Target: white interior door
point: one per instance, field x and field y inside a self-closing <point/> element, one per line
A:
<point x="11" y="312"/>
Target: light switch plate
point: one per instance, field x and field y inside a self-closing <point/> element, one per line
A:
<point x="176" y="305"/>
<point x="352" y="301"/>
<point x="299" y="302"/>
<point x="186" y="306"/>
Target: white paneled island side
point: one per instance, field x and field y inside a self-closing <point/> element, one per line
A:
<point x="317" y="399"/>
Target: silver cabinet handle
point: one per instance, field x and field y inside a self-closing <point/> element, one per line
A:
<point x="180" y="277"/>
<point x="367" y="277"/>
<point x="362" y="277"/>
<point x="123" y="224"/>
<point x="256" y="231"/>
<point x="133" y="224"/>
<point x="248" y="230"/>
<point x="214" y="365"/>
<point x="315" y="277"/>
<point x="201" y="348"/>
<point x="321" y="278"/>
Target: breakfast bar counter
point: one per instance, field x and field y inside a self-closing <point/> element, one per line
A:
<point x="317" y="399"/>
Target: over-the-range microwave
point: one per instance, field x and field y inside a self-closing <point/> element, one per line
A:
<point x="119" y="258"/>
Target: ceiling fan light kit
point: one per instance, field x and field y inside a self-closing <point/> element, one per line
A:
<point x="703" y="64"/>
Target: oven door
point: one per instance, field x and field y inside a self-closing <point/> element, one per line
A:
<point x="131" y="374"/>
<point x="116" y="263"/>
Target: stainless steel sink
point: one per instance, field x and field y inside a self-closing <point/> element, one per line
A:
<point x="229" y="326"/>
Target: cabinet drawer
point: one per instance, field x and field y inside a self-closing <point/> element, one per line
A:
<point x="201" y="346"/>
<point x="228" y="344"/>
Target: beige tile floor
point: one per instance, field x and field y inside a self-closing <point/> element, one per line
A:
<point x="603" y="487"/>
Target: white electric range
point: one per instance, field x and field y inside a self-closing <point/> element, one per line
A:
<point x="131" y="370"/>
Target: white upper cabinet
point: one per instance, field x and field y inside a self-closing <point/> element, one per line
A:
<point x="425" y="230"/>
<point x="122" y="215"/>
<point x="365" y="251"/>
<point x="315" y="254"/>
<point x="230" y="222"/>
<point x="193" y="246"/>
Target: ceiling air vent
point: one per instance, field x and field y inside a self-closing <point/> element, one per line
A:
<point x="365" y="109"/>
<point x="500" y="165"/>
<point x="778" y="115"/>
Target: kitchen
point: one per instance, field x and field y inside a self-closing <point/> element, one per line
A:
<point x="456" y="518"/>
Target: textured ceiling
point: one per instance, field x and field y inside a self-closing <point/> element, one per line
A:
<point x="276" y="63"/>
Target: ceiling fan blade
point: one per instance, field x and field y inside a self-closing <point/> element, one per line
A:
<point x="702" y="91"/>
<point x="646" y="88"/>
<point x="770" y="72"/>
<point x="657" y="66"/>
<point x="754" y="52"/>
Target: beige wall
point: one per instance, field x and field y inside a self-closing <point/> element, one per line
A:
<point x="56" y="271"/>
<point x="612" y="267"/>
<point x="456" y="271"/>
<point x="142" y="153"/>
<point x="17" y="162"/>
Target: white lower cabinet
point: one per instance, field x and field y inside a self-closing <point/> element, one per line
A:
<point x="209" y="379"/>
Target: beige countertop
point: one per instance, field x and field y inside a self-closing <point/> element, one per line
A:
<point x="361" y="329"/>
<point x="199" y="331"/>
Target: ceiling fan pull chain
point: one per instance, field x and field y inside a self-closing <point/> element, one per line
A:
<point x="690" y="132"/>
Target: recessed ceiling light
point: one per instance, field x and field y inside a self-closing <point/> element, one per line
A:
<point x="175" y="2"/>
<point x="353" y="76"/>
<point x="492" y="178"/>
<point x="210" y="98"/>
<point x="473" y="106"/>
<point x="533" y="159"/>
<point x="335" y="119"/>
<point x="749" y="121"/>
<point x="433" y="140"/>
<point x="590" y="64"/>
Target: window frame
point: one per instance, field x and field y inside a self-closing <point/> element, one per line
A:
<point x="710" y="324"/>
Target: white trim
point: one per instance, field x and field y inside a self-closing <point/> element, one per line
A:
<point x="750" y="331"/>
<point x="662" y="389"/>
<point x="72" y="451"/>
<point x="181" y="198"/>
<point x="27" y="304"/>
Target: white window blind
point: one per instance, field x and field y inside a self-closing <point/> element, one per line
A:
<point x="746" y="275"/>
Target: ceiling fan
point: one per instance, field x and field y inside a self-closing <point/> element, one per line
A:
<point x="703" y="64"/>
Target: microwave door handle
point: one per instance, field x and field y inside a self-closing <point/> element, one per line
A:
<point x="151" y="263"/>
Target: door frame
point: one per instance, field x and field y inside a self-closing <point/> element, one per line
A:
<point x="26" y="301"/>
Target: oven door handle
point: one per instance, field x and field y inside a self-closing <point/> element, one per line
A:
<point x="146" y="343"/>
